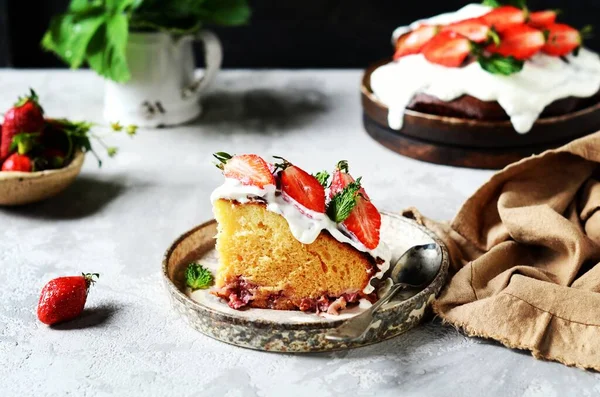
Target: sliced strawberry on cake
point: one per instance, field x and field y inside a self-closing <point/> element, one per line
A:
<point x="351" y="207"/>
<point x="542" y="19"/>
<point x="413" y="42"/>
<point x="287" y="247"/>
<point x="249" y="169"/>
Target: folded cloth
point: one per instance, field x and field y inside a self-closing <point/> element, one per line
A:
<point x="525" y="251"/>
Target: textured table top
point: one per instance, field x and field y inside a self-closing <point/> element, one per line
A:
<point x="119" y="220"/>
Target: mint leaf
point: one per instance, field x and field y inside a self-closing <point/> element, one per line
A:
<point x="342" y="204"/>
<point x="323" y="178"/>
<point x="198" y="277"/>
<point x="497" y="64"/>
<point x="500" y="3"/>
<point x="491" y="3"/>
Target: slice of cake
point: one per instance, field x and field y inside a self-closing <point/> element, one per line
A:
<point x="289" y="240"/>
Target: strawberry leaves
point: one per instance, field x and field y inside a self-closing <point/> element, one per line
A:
<point x="323" y="178"/>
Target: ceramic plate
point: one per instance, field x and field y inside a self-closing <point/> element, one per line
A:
<point x="291" y="331"/>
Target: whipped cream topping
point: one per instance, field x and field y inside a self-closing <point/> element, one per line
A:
<point x="305" y="224"/>
<point x="523" y="95"/>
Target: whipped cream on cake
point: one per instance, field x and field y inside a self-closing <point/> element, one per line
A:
<point x="305" y="224"/>
<point x="523" y="95"/>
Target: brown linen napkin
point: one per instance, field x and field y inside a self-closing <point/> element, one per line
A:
<point x="525" y="251"/>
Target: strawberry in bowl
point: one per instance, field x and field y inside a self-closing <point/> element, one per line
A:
<point x="41" y="156"/>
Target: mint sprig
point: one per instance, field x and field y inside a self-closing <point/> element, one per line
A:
<point x="342" y="204"/>
<point x="499" y="3"/>
<point x="498" y="64"/>
<point x="198" y="277"/>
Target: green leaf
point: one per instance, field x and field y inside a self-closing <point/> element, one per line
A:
<point x="497" y="64"/>
<point x="500" y="3"/>
<point x="69" y="36"/>
<point x="227" y="12"/>
<point x="342" y="204"/>
<point x="198" y="277"/>
<point x="23" y="143"/>
<point x="106" y="51"/>
<point x="491" y="3"/>
<point x="186" y="16"/>
<point x="323" y="178"/>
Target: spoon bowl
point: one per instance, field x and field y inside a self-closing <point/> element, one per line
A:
<point x="415" y="269"/>
<point x="417" y="266"/>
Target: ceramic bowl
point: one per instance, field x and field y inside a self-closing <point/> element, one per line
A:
<point x="469" y="142"/>
<point x="19" y="188"/>
<point x="292" y="331"/>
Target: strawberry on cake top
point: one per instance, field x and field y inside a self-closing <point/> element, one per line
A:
<point x="523" y="60"/>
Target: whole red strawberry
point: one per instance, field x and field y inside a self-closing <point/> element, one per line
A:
<point x="17" y="162"/>
<point x="63" y="298"/>
<point x="26" y="116"/>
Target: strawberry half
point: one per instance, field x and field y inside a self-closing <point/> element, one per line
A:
<point x="364" y="223"/>
<point x="301" y="187"/>
<point x="474" y="29"/>
<point x="249" y="169"/>
<point x="520" y="42"/>
<point x="503" y="18"/>
<point x="562" y="40"/>
<point x="447" y="49"/>
<point x="542" y="19"/>
<point x="413" y="42"/>
<point x="341" y="178"/>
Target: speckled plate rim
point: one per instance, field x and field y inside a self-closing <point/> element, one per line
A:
<point x="76" y="163"/>
<point x="433" y="288"/>
<point x="365" y="88"/>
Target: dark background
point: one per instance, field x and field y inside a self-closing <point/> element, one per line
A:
<point x="281" y="34"/>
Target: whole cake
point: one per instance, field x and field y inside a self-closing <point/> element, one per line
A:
<point x="289" y="240"/>
<point x="488" y="62"/>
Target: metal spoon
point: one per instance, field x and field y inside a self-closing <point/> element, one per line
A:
<point x="415" y="269"/>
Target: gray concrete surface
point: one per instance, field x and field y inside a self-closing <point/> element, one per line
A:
<point x="118" y="221"/>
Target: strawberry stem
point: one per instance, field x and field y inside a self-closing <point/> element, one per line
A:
<point x="587" y="32"/>
<point x="223" y="158"/>
<point x="89" y="278"/>
<point x="283" y="165"/>
<point x="342" y="165"/>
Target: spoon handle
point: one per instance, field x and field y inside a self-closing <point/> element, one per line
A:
<point x="355" y="327"/>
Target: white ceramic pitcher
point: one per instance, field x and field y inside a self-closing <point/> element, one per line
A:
<point x="163" y="89"/>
